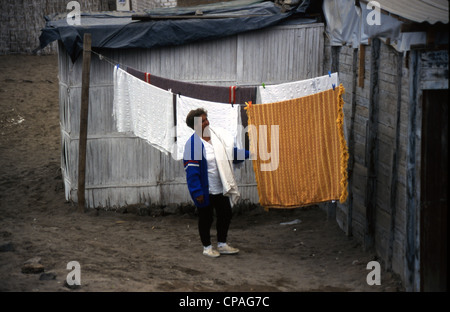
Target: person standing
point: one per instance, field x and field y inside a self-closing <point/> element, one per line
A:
<point x="208" y="159"/>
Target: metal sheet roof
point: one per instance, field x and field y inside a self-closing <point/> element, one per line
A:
<point x="431" y="11"/>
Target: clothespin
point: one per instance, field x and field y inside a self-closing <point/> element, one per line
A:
<point x="118" y="65"/>
<point x="232" y="95"/>
<point x="248" y="105"/>
<point x="147" y="77"/>
<point x="333" y="85"/>
<point x="263" y="85"/>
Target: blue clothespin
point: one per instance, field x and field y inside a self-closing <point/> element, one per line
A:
<point x="329" y="75"/>
<point x="118" y="65"/>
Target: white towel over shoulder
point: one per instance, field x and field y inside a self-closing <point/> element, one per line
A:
<point x="223" y="144"/>
<point x="144" y="110"/>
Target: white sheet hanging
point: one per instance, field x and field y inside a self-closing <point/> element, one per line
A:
<point x="220" y="115"/>
<point x="144" y="110"/>
<point x="295" y="89"/>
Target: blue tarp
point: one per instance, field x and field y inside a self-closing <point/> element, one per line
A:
<point x="118" y="31"/>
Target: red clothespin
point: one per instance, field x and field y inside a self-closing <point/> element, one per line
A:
<point x="232" y="95"/>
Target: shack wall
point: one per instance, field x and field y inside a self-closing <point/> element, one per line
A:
<point x="383" y="123"/>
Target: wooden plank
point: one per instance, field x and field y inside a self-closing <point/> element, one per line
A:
<point x="395" y="161"/>
<point x="351" y="148"/>
<point x="372" y="147"/>
<point x="411" y="249"/>
<point x="361" y="65"/>
<point x="84" y="112"/>
<point x="146" y="17"/>
<point x="331" y="206"/>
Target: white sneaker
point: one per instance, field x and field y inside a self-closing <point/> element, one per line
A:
<point x="210" y="252"/>
<point x="227" y="250"/>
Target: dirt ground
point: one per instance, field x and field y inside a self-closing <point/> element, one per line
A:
<point x="132" y="253"/>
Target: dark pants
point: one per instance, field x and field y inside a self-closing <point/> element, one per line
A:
<point x="221" y="204"/>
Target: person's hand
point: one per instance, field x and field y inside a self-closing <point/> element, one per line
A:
<point x="200" y="199"/>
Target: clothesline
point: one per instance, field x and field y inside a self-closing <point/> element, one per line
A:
<point x="104" y="58"/>
<point x="234" y="95"/>
<point x="118" y="64"/>
<point x="307" y="136"/>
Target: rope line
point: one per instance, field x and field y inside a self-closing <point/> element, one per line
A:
<point x="107" y="59"/>
<point x="115" y="63"/>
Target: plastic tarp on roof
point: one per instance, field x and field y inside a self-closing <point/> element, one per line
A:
<point x="351" y="25"/>
<point x="118" y="31"/>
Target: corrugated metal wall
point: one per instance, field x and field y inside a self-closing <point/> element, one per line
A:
<point x="122" y="169"/>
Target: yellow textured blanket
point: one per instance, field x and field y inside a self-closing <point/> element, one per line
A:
<point x="300" y="150"/>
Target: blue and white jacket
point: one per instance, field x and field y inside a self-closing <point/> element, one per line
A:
<point x="196" y="168"/>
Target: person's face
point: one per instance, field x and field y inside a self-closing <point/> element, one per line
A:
<point x="205" y="122"/>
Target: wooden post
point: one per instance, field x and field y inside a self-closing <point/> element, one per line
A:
<point x="84" y="112"/>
